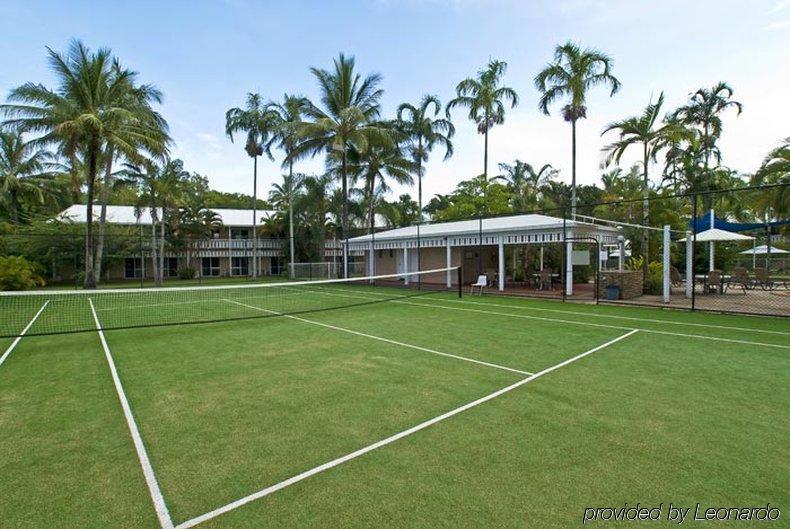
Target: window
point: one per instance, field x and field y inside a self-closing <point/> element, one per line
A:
<point x="171" y="266"/>
<point x="239" y="233"/>
<point x="210" y="266"/>
<point x="133" y="268"/>
<point x="239" y="266"/>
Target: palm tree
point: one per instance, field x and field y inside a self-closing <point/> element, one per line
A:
<point x="282" y="197"/>
<point x="424" y="131"/>
<point x="23" y="174"/>
<point x="525" y="183"/>
<point x="485" y="98"/>
<point x="196" y="222"/>
<point x="258" y="122"/>
<point x="154" y="127"/>
<point x="350" y="106"/>
<point x="288" y="115"/>
<point x="703" y="111"/>
<point x="573" y="72"/>
<point x="90" y="111"/>
<point x="639" y="130"/>
<point x="314" y="203"/>
<point x="378" y="163"/>
<point x="158" y="188"/>
<point x="774" y="203"/>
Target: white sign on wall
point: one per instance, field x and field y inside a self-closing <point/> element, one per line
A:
<point x="581" y="257"/>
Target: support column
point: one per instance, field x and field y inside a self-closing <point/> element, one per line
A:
<point x="405" y="264"/>
<point x="712" y="253"/>
<point x="501" y="263"/>
<point x="569" y="269"/>
<point x="541" y="257"/>
<point x="449" y="264"/>
<point x="667" y="242"/>
<point x="371" y="261"/>
<point x="689" y="264"/>
<point x="345" y="258"/>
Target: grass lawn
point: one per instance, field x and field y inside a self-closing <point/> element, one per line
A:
<point x="692" y="408"/>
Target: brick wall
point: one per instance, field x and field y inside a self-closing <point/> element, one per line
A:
<point x="630" y="282"/>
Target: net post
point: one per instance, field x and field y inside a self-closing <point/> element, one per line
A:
<point x="460" y="285"/>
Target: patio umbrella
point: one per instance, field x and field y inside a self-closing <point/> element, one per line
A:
<point x="763" y="250"/>
<point x="714" y="235"/>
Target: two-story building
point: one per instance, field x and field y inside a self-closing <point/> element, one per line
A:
<point x="227" y="252"/>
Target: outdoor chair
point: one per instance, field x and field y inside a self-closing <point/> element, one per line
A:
<point x="740" y="277"/>
<point x="482" y="282"/>
<point x="715" y="282"/>
<point x="763" y="279"/>
<point x="674" y="277"/>
<point x="546" y="280"/>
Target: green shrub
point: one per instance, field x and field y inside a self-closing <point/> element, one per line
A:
<point x="654" y="284"/>
<point x="187" y="272"/>
<point x="17" y="273"/>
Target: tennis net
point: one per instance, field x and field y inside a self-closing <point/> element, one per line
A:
<point x="57" y="312"/>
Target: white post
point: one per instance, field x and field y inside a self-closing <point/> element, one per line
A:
<point x="689" y="264"/>
<point x="569" y="269"/>
<point x="667" y="242"/>
<point x="712" y="253"/>
<point x="620" y="251"/>
<point x="754" y="253"/>
<point x="345" y="258"/>
<point x="371" y="258"/>
<point x="501" y="264"/>
<point x="449" y="264"/>
<point x="405" y="264"/>
<point x="541" y="258"/>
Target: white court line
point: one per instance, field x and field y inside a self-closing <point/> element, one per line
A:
<point x="362" y="451"/>
<point x="578" y="313"/>
<point x="153" y="486"/>
<point x="21" y="334"/>
<point x="558" y="320"/>
<point x="381" y="339"/>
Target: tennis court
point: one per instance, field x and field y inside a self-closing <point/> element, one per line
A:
<point x="358" y="404"/>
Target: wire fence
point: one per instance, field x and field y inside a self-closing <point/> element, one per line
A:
<point x="718" y="250"/>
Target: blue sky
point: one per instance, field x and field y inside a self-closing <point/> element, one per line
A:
<point x="206" y="55"/>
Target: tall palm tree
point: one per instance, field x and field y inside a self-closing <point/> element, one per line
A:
<point x="703" y="111"/>
<point x="158" y="187"/>
<point x="282" y="197"/>
<point x="140" y="98"/>
<point x="485" y="98"/>
<point x="572" y="73"/>
<point x="89" y="111"/>
<point x="288" y="115"/>
<point x="258" y="123"/>
<point x="380" y="162"/>
<point x="314" y="203"/>
<point x="646" y="131"/>
<point x="424" y="131"/>
<point x="346" y="120"/>
<point x="23" y="174"/>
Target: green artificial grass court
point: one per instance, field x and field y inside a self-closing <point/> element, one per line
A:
<point x="227" y="409"/>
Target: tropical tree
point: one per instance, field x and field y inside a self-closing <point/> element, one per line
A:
<point x="571" y="74"/>
<point x="314" y="206"/>
<point x="380" y="162"/>
<point x="288" y="115"/>
<point x="485" y="98"/>
<point x="23" y="175"/>
<point x="703" y="112"/>
<point x="282" y="197"/>
<point x="258" y="123"/>
<point x="195" y="222"/>
<point x="159" y="188"/>
<point x="91" y="111"/>
<point x="525" y="183"/>
<point x="346" y="120"/>
<point x="645" y="131"/>
<point x="424" y="131"/>
<point x="774" y="202"/>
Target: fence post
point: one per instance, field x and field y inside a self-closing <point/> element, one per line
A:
<point x="689" y="265"/>
<point x="460" y="285"/>
<point x="667" y="242"/>
<point x="449" y="264"/>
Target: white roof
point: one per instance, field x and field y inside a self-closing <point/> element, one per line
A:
<point x="513" y="223"/>
<point x="715" y="234"/>
<point x="763" y="250"/>
<point x="125" y="215"/>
